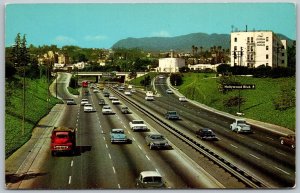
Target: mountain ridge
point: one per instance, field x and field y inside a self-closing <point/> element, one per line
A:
<point x="180" y="43"/>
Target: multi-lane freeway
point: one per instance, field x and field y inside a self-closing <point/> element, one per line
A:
<point x="99" y="164"/>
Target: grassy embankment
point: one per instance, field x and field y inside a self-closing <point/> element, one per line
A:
<point x="259" y="102"/>
<point x="137" y="81"/>
<point x="36" y="107"/>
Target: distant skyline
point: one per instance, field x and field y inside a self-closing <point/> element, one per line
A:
<point x="102" y="25"/>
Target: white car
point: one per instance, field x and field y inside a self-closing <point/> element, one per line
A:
<point x="133" y="90"/>
<point x="115" y="101"/>
<point x="88" y="108"/>
<point x="182" y="99"/>
<point x="84" y="101"/>
<point x="149" y="98"/>
<point x="169" y="91"/>
<point x="96" y="90"/>
<point x="111" y="97"/>
<point x="136" y="125"/>
<point x="106" y="110"/>
<point x="127" y="92"/>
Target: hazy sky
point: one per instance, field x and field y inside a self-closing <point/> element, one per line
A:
<point x="102" y="25"/>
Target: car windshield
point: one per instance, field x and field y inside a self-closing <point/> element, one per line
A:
<point x="151" y="179"/>
<point x="157" y="137"/>
<point x="241" y="122"/>
<point x="117" y="131"/>
<point x="106" y="107"/>
<point x="138" y="122"/>
<point x="172" y="112"/>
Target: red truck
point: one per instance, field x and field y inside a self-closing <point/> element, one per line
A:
<point x="85" y="83"/>
<point x="63" y="139"/>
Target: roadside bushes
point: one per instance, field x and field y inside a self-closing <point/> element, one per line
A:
<point x="259" y="72"/>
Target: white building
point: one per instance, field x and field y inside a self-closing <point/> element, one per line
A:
<point x="255" y="48"/>
<point x="170" y="64"/>
<point x="203" y="67"/>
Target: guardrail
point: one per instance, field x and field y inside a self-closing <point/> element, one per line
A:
<point x="240" y="174"/>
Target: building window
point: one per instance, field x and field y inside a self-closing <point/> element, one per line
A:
<point x="251" y="48"/>
<point x="267" y="39"/>
<point x="251" y="39"/>
<point x="282" y="61"/>
<point x="248" y="39"/>
<point x="267" y="64"/>
<point x="267" y="56"/>
<point x="267" y="47"/>
<point x="235" y="39"/>
<point x="282" y="54"/>
<point x="235" y="47"/>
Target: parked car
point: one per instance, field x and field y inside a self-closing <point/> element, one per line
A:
<point x="206" y="134"/>
<point x="169" y="91"/>
<point x="70" y="102"/>
<point x="172" y="115"/>
<point x="182" y="99"/>
<point x="157" y="141"/>
<point x="125" y="110"/>
<point x="84" y="101"/>
<point x="150" y="179"/>
<point x="106" y="110"/>
<point x="118" y="136"/>
<point x="101" y="102"/>
<point x="289" y="140"/>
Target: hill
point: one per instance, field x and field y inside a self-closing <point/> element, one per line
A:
<point x="179" y="43"/>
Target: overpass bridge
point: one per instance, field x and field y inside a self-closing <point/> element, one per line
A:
<point x="123" y="75"/>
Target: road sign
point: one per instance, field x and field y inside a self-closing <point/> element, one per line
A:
<point x="239" y="86"/>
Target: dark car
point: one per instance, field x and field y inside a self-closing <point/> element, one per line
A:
<point x="172" y="115"/>
<point x="70" y="102"/>
<point x="101" y="102"/>
<point x="157" y="141"/>
<point x="125" y="110"/>
<point x="289" y="140"/>
<point x="206" y="134"/>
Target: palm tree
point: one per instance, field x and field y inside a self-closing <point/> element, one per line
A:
<point x="193" y="49"/>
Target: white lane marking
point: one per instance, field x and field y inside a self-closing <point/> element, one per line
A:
<point x="234" y="146"/>
<point x="72" y="162"/>
<point x="70" y="179"/>
<point x="282" y="170"/>
<point x="140" y="147"/>
<point x="106" y="146"/>
<point x="114" y="169"/>
<point x="156" y="170"/>
<point x="254" y="156"/>
<point x="258" y="144"/>
<point x="104" y="138"/>
<point x="109" y="156"/>
<point x="147" y="157"/>
<point x="281" y="153"/>
<point x="124" y="126"/>
<point x="119" y="186"/>
<point x="270" y="138"/>
<point x="133" y="138"/>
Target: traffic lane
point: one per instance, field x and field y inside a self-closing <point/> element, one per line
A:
<point x="268" y="137"/>
<point x="93" y="158"/>
<point x="290" y="165"/>
<point x="194" y="122"/>
<point x="178" y="178"/>
<point x="134" y="158"/>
